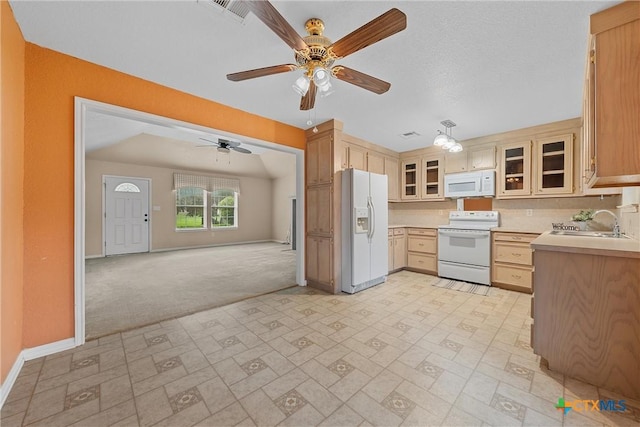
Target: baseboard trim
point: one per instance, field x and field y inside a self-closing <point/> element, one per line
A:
<point x="214" y="245"/>
<point x="8" y="383"/>
<point x="47" y="349"/>
<point x="30" y="354"/>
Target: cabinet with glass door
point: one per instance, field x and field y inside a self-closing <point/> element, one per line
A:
<point x="410" y="179"/>
<point x="432" y="177"/>
<point x="554" y="165"/>
<point x="515" y="169"/>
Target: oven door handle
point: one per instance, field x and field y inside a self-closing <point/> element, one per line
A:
<point x="467" y="235"/>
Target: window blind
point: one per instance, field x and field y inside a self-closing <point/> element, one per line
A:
<point x="209" y="183"/>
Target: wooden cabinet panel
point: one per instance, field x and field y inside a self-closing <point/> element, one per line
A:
<point x="511" y="275"/>
<point x="390" y="253"/>
<point x="512" y="261"/>
<point x="617" y="101"/>
<point x="481" y="158"/>
<point x="423" y="232"/>
<point x="410" y="179"/>
<point x="319" y="161"/>
<point x="319" y="262"/>
<point x="432" y="176"/>
<point x="311" y="256"/>
<point x="423" y="262"/>
<point x="421" y="244"/>
<point x="392" y="171"/>
<point x="357" y="158"/>
<point x="399" y="252"/>
<point x="514" y="177"/>
<point x="319" y="210"/>
<point x="455" y="162"/>
<point x="513" y="253"/>
<point x="398" y="231"/>
<point x="375" y="162"/>
<point x="554" y="165"/>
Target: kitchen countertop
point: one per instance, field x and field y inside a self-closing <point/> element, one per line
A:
<point x="622" y="247"/>
<point x="523" y="229"/>
<point x="411" y="226"/>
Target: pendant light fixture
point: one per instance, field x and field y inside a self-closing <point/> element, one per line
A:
<point x="445" y="140"/>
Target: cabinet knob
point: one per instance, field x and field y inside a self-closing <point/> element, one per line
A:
<point x="515" y="254"/>
<point x="516" y="276"/>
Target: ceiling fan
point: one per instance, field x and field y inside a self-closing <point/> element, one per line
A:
<point x="224" y="146"/>
<point x="315" y="53"/>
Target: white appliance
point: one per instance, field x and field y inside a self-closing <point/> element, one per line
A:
<point x="464" y="246"/>
<point x="364" y="230"/>
<point x="470" y="184"/>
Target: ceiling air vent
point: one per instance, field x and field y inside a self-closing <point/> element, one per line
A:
<point x="409" y="135"/>
<point x="236" y="9"/>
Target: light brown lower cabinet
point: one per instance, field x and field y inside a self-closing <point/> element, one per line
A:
<point x="397" y="249"/>
<point x="422" y="250"/>
<point x="512" y="261"/>
<point x="319" y="269"/>
<point x="586" y="316"/>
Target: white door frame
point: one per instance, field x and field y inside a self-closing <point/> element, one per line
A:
<point x="82" y="107"/>
<point x="104" y="208"/>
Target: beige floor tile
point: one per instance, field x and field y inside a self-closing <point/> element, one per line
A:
<point x="425" y="399"/>
<point x="321" y="399"/>
<point x="229" y="416"/>
<point x="320" y="373"/>
<point x="448" y="386"/>
<point x="284" y="383"/>
<point x="190" y="380"/>
<point x="349" y="385"/>
<point x="305" y="416"/>
<point x="153" y="407"/>
<point x="535" y="418"/>
<point x="458" y="417"/>
<point x="252" y="383"/>
<point x="110" y="416"/>
<point x="70" y="416"/>
<point x="186" y="417"/>
<point x="158" y="380"/>
<point x="343" y="416"/>
<point x="261" y="409"/>
<point x="372" y="411"/>
<point x="45" y="404"/>
<point x="13" y="421"/>
<point x="485" y="412"/>
<point x="529" y="400"/>
<point x="481" y="387"/>
<point x="382" y="385"/>
<point x="18" y="406"/>
<point x="115" y="392"/>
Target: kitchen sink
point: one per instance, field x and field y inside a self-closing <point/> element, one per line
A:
<point x="606" y="234"/>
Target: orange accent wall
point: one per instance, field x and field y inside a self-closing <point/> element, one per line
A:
<point x="52" y="80"/>
<point x="11" y="187"/>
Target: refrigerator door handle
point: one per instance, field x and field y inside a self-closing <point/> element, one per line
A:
<point x="372" y="218"/>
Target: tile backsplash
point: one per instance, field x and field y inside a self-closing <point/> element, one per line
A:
<point x="513" y="213"/>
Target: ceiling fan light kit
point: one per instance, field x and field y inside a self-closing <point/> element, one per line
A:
<point x="315" y="54"/>
<point x="445" y="140"/>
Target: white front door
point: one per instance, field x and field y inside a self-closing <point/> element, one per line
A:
<point x="126" y="215"/>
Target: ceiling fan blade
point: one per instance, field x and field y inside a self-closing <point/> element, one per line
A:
<point x="308" y="101"/>
<point x="272" y="19"/>
<point x="385" y="25"/>
<point x="241" y="150"/>
<point x="261" y="72"/>
<point x="363" y="80"/>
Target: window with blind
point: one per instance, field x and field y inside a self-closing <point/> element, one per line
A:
<point x="195" y="192"/>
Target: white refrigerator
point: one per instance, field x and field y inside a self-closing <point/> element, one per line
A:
<point x="365" y="221"/>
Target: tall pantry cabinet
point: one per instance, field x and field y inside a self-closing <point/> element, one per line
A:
<point x="323" y="158"/>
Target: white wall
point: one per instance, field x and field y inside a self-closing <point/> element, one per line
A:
<point x="255" y="209"/>
<point x="284" y="189"/>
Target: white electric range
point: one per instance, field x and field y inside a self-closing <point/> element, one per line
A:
<point x="464" y="246"/>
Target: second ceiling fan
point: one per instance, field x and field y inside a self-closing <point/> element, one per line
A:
<point x="315" y="53"/>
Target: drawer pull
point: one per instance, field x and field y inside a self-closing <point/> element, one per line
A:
<point x="516" y="254"/>
<point x="420" y="244"/>
<point x="516" y="238"/>
<point x="420" y="262"/>
<point x="516" y="276"/>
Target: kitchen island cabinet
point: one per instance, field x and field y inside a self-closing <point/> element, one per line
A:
<point x="586" y="310"/>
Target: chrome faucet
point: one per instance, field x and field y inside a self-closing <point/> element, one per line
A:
<point x="616" y="226"/>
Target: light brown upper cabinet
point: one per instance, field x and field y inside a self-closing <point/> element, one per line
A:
<point x="410" y="179"/>
<point x="357" y="157"/>
<point x="432" y="177"/>
<point x="514" y="177"/>
<point x="392" y="171"/>
<point x="375" y="162"/>
<point x="612" y="98"/>
<point x="554" y="165"/>
<point x="319" y="160"/>
<point x="471" y="159"/>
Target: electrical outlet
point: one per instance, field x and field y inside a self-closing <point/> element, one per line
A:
<point x="529" y="212"/>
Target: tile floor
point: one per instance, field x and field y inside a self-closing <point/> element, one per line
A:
<point x="402" y="353"/>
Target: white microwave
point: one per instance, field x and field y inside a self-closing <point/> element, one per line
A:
<point x="470" y="184"/>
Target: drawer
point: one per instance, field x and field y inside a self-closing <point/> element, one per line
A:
<point x="423" y="232"/>
<point x="513" y="252"/>
<point x="512" y="275"/>
<point x="426" y="245"/>
<point x="422" y="262"/>
<point x="398" y="231"/>
<point x="514" y="237"/>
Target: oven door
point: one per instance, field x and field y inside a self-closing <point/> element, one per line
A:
<point x="471" y="247"/>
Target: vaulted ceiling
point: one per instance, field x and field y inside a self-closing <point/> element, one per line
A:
<point x="488" y="66"/>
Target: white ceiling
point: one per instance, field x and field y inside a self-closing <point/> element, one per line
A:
<point x="488" y="66"/>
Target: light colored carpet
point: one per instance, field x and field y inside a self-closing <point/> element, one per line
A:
<point x="123" y="292"/>
<point x="457" y="285"/>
